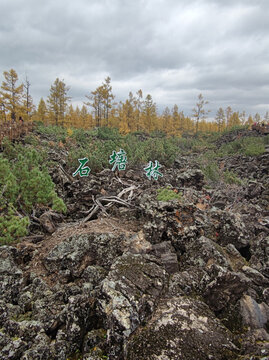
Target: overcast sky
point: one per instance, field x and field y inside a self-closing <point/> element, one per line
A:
<point x="172" y="49"/>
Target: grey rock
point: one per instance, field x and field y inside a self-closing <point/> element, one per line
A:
<point x="203" y="252"/>
<point x="73" y="255"/>
<point x="227" y="287"/>
<point x="181" y="328"/>
<point x="13" y="350"/>
<point x="11" y="276"/>
<point x="253" y="314"/>
<point x="191" y="177"/>
<point x="260" y="255"/>
<point x="129" y="295"/>
<point x="168" y="256"/>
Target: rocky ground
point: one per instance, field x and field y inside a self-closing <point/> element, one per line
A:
<point x="125" y="276"/>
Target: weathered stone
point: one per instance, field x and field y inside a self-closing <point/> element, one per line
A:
<point x="233" y="230"/>
<point x="254" y="315"/>
<point x="137" y="244"/>
<point x="11" y="276"/>
<point x="193" y="177"/>
<point x="227" y="287"/>
<point x="47" y="222"/>
<point x="260" y="255"/>
<point x="129" y="295"/>
<point x="93" y="339"/>
<point x="76" y="253"/>
<point x="188" y="282"/>
<point x="13" y="350"/>
<point x="203" y="252"/>
<point x="167" y="254"/>
<point x="181" y="328"/>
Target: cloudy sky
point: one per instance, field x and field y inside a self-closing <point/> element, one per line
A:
<point x="172" y="49"/>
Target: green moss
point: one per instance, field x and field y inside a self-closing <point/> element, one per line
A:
<point x="167" y="194"/>
<point x="15" y="338"/>
<point x="23" y="317"/>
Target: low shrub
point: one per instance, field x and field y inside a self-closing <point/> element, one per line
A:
<point x="24" y="184"/>
<point x="107" y="133"/>
<point x="266" y="140"/>
<point x="51" y="130"/>
<point x="230" y="177"/>
<point x="249" y="146"/>
<point x="211" y="172"/>
<point x="12" y="227"/>
<point x="254" y="149"/>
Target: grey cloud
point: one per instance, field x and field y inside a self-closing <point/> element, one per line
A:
<point x="171" y="49"/>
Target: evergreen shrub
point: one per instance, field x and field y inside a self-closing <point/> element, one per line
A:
<point x="24" y="184"/>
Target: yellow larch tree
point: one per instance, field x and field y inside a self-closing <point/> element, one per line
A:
<point x="167" y="123"/>
<point x="11" y="95"/>
<point x="149" y="114"/>
<point x="42" y="112"/>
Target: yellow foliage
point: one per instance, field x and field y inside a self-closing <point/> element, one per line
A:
<point x="69" y="132"/>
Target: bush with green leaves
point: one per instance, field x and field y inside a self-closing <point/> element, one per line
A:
<point x="24" y="184"/>
<point x="211" y="172"/>
<point x="98" y="151"/>
<point x="254" y="148"/>
<point x="57" y="133"/>
<point x="12" y="227"/>
<point x="249" y="146"/>
<point x="235" y="128"/>
<point x="108" y="133"/>
<point x="164" y="150"/>
<point x="81" y="136"/>
<point x="167" y="194"/>
<point x="31" y="140"/>
<point x="9" y="187"/>
<point x="158" y="134"/>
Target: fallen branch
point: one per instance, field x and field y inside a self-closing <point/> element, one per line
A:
<point x="88" y="217"/>
<point x="110" y="200"/>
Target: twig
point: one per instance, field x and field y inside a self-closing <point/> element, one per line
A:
<point x="66" y="174"/>
<point x="126" y="190"/>
<point x="101" y="206"/>
<point x="115" y="199"/>
<point x="88" y="217"/>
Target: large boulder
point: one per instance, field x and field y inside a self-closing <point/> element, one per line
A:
<point x="184" y="329"/>
<point x="72" y="256"/>
<point x="129" y="295"/>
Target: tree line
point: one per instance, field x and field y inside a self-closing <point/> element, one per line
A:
<point x="136" y="113"/>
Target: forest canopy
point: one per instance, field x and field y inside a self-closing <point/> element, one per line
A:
<point x="137" y="113"/>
